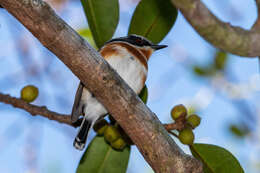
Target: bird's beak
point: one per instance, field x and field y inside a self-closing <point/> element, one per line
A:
<point x="157" y="47"/>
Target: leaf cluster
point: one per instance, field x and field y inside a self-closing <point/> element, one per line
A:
<point x="152" y="19"/>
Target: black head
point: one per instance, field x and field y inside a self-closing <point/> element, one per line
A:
<point x="137" y="40"/>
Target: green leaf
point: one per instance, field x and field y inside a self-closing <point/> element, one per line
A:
<point x="144" y="94"/>
<point x="203" y="71"/>
<point x="100" y="157"/>
<point x="216" y="159"/>
<point x="86" y="33"/>
<point x="153" y="19"/>
<point x="103" y="17"/>
<point x="220" y="60"/>
<point x="239" y="130"/>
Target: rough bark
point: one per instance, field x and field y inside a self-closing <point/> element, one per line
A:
<point x="222" y="35"/>
<point x="144" y="128"/>
<point x="256" y="25"/>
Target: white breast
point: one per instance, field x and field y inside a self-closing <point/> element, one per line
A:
<point x="129" y="68"/>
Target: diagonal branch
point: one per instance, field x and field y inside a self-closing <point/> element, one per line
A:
<point x="222" y="35"/>
<point x="137" y="120"/>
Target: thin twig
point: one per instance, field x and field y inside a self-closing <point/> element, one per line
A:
<point x="51" y="115"/>
<point x="174" y="126"/>
<point x="35" y="110"/>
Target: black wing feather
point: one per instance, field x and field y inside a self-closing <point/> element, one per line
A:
<point x="77" y="107"/>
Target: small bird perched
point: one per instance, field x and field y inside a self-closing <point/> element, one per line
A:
<point x="128" y="56"/>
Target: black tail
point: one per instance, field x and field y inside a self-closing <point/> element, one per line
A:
<point x="81" y="138"/>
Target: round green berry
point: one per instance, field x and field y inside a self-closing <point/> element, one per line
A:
<point x="101" y="131"/>
<point x="111" y="134"/>
<point x="29" y="93"/>
<point x="100" y="127"/>
<point x="194" y="120"/>
<point x="119" y="144"/>
<point x="186" y="136"/>
<point x="178" y="111"/>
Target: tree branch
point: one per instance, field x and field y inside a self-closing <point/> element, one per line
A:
<point x="222" y="35"/>
<point x="35" y="110"/>
<point x="256" y="25"/>
<point x="138" y="121"/>
<point x="61" y="118"/>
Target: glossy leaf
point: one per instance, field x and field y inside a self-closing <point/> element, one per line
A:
<point x="103" y="17"/>
<point x="220" y="60"/>
<point x="86" y="33"/>
<point x="239" y="130"/>
<point x="204" y="71"/>
<point x="144" y="94"/>
<point x="153" y="19"/>
<point x="101" y="158"/>
<point x="216" y="159"/>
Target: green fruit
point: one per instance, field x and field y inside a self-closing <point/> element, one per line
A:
<point x="186" y="136"/>
<point x="177" y="111"/>
<point x="29" y="93"/>
<point x="101" y="131"/>
<point x="119" y="144"/>
<point x="100" y="127"/>
<point x="111" y="134"/>
<point x="194" y="120"/>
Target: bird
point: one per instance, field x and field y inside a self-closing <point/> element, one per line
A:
<point x="128" y="56"/>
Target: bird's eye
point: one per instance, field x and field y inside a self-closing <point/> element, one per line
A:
<point x="139" y="41"/>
